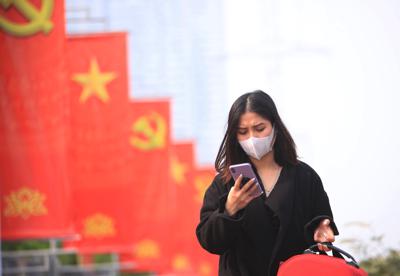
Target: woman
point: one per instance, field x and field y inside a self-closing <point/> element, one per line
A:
<point x="254" y="233"/>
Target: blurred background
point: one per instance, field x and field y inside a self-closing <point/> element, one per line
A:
<point x="331" y="67"/>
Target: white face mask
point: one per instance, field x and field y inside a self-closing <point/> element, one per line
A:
<point x="258" y="147"/>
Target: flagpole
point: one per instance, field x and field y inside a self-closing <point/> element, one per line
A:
<point x="53" y="265"/>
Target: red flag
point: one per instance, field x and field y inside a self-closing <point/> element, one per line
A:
<point x="100" y="158"/>
<point x="206" y="263"/>
<point x="153" y="200"/>
<point x="149" y="141"/>
<point x="35" y="196"/>
<point x="97" y="72"/>
<point x="180" y="242"/>
<point x="203" y="177"/>
<point x="185" y="254"/>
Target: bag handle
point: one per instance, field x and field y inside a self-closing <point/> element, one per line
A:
<point x="336" y="251"/>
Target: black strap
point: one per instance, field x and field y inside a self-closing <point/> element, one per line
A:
<point x="336" y="252"/>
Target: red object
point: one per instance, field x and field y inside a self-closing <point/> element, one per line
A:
<point x="203" y="178"/>
<point x="181" y="177"/>
<point x="316" y="265"/>
<point x="152" y="200"/>
<point x="182" y="241"/>
<point x="174" y="250"/>
<point x="186" y="255"/>
<point x="205" y="262"/>
<point x="34" y="121"/>
<point x="100" y="160"/>
<point x="149" y="143"/>
<point x="97" y="74"/>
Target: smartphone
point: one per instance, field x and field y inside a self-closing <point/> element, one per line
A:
<point x="246" y="170"/>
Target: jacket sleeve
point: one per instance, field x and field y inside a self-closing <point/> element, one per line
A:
<point x="217" y="230"/>
<point x="320" y="209"/>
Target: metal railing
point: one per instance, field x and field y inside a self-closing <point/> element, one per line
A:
<point x="47" y="262"/>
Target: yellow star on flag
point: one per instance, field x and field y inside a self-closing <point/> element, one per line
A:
<point x="147" y="249"/>
<point x="94" y="82"/>
<point x="178" y="171"/>
<point x="180" y="262"/>
<point x="201" y="183"/>
<point x="205" y="269"/>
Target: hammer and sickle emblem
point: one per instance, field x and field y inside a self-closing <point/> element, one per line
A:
<point x="38" y="20"/>
<point x="147" y="137"/>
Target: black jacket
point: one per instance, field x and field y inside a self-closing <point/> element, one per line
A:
<point x="269" y="230"/>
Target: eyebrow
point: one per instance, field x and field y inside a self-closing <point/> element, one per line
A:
<point x="257" y="125"/>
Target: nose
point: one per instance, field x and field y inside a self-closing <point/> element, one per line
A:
<point x="253" y="133"/>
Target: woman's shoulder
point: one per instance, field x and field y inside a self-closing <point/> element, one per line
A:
<point x="304" y="170"/>
<point x="219" y="184"/>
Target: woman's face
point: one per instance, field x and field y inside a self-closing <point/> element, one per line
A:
<point x="253" y="125"/>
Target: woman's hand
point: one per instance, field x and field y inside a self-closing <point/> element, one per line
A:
<point x="238" y="198"/>
<point x="324" y="233"/>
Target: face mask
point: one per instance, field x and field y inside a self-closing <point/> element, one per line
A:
<point x="258" y="147"/>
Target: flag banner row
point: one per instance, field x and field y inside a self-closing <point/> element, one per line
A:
<point x="82" y="161"/>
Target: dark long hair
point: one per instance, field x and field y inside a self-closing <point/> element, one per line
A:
<point x="230" y="152"/>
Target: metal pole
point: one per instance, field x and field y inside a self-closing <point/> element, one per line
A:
<point x="115" y="266"/>
<point x="53" y="265"/>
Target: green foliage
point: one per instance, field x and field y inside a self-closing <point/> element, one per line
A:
<point x="68" y="259"/>
<point x="102" y="258"/>
<point x="383" y="265"/>
<point x="24" y="245"/>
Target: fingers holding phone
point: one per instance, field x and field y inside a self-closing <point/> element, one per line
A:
<point x="241" y="181"/>
<point x="249" y="186"/>
<point x="241" y="194"/>
<point x="245" y="189"/>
